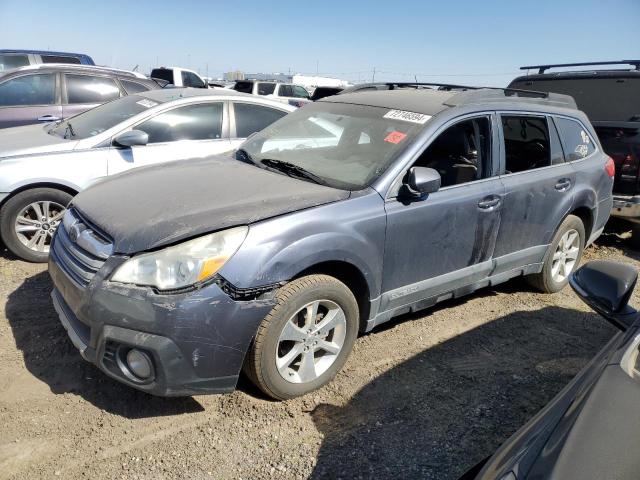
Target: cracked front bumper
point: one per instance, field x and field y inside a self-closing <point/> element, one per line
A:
<point x="196" y="340"/>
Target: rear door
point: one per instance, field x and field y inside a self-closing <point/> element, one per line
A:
<point x="82" y="92"/>
<point x="188" y="131"/>
<point x="538" y="188"/>
<point x="30" y="98"/>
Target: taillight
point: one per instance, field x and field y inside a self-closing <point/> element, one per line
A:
<point x="610" y="167"/>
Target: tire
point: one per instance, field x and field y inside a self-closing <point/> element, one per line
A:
<point x="292" y="308"/>
<point x="547" y="280"/>
<point x="21" y="205"/>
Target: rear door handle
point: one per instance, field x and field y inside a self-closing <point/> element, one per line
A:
<point x="489" y="203"/>
<point x="563" y="185"/>
<point x="48" y="118"/>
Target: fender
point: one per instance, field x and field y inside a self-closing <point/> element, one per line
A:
<point x="278" y="249"/>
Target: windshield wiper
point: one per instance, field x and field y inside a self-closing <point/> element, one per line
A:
<point x="243" y="156"/>
<point x="292" y="170"/>
<point x="69" y="129"/>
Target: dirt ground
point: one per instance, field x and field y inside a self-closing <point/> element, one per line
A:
<point x="426" y="396"/>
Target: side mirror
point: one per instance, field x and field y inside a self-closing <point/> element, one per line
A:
<point x="606" y="287"/>
<point x="422" y="181"/>
<point x="131" y="138"/>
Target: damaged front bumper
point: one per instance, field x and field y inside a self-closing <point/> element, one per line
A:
<point x="196" y="340"/>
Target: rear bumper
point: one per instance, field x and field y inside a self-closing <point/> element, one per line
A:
<point x="627" y="207"/>
<point x="196" y="341"/>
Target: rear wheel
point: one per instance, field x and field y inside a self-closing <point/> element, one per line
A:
<point x="563" y="256"/>
<point x="306" y="339"/>
<point x="29" y="219"/>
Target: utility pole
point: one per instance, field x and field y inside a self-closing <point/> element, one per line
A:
<point x="373" y="78"/>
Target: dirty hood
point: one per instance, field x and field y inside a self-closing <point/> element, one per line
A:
<point x="154" y="206"/>
<point x="31" y="139"/>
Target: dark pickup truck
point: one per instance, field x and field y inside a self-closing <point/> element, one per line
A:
<point x="611" y="100"/>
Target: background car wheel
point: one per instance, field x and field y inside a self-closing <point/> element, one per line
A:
<point x="28" y="220"/>
<point x="563" y="256"/>
<point x="306" y="339"/>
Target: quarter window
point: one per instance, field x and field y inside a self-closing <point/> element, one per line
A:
<point x="133" y="87"/>
<point x="253" y="118"/>
<point x="460" y="154"/>
<point x="192" y="122"/>
<point x="526" y="143"/>
<point x="90" y="89"/>
<point x="28" y="90"/>
<point x="576" y="140"/>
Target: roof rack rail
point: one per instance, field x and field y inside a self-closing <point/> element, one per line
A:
<point x="544" y="68"/>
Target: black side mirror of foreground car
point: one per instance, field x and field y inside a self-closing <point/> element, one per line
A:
<point x="606" y="287"/>
<point x="422" y="181"/>
<point x="131" y="138"/>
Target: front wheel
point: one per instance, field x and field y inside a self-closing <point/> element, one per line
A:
<point x="306" y="339"/>
<point x="563" y="256"/>
<point x="29" y="219"/>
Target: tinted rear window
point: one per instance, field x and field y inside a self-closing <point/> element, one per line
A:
<point x="59" y="59"/>
<point x="162" y="73"/>
<point x="602" y="99"/>
<point x="13" y="61"/>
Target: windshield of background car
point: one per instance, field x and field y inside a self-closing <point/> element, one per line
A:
<point x="347" y="146"/>
<point x="99" y="119"/>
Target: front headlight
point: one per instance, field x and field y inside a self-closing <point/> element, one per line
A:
<point x="184" y="264"/>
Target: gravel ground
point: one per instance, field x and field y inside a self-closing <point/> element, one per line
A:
<point x="426" y="396"/>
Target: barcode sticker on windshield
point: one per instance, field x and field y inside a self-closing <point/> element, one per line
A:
<point x="412" y="117"/>
<point x="146" y="103"/>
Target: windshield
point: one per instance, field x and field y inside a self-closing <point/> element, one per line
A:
<point x="101" y="118"/>
<point x="346" y="146"/>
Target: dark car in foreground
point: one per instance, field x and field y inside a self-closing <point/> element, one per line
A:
<point x="10" y="59"/>
<point x="332" y="220"/>
<point x="590" y="430"/>
<point x="48" y="93"/>
<point x="611" y="100"/>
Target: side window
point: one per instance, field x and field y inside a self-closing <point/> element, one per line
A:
<point x="557" y="155"/>
<point x="300" y="92"/>
<point x="285" y="91"/>
<point x="244" y="87"/>
<point x="462" y="153"/>
<point x="133" y="87"/>
<point x="191" y="80"/>
<point x="191" y="122"/>
<point x="59" y="59"/>
<point x="253" y="118"/>
<point x="13" y="61"/>
<point x="89" y="89"/>
<point x="29" y="90"/>
<point x="576" y="140"/>
<point x="526" y="142"/>
<point x="266" y="88"/>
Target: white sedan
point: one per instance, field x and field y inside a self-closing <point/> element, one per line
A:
<point x="43" y="166"/>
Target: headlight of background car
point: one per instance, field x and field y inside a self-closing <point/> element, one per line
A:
<point x="184" y="264"/>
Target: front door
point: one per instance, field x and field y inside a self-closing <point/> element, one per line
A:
<point x="446" y="240"/>
<point x="190" y="131"/>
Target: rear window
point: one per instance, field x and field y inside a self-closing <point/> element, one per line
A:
<point x="13" y="61"/>
<point x="59" y="59"/>
<point x="163" y="74"/>
<point x="576" y="140"/>
<point x="602" y="99"/>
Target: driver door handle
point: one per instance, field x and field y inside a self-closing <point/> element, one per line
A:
<point x="489" y="203"/>
<point x="48" y="118"/>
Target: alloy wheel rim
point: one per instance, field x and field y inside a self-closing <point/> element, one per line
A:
<point x="36" y="223"/>
<point x="565" y="257"/>
<point x="311" y="341"/>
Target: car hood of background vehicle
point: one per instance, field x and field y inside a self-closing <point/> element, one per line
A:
<point x="31" y="139"/>
<point x="154" y="206"/>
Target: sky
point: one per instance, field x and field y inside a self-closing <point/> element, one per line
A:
<point x="471" y="42"/>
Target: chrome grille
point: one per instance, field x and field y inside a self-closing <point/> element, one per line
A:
<point x="78" y="249"/>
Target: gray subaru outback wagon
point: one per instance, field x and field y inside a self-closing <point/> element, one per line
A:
<point x="175" y="278"/>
